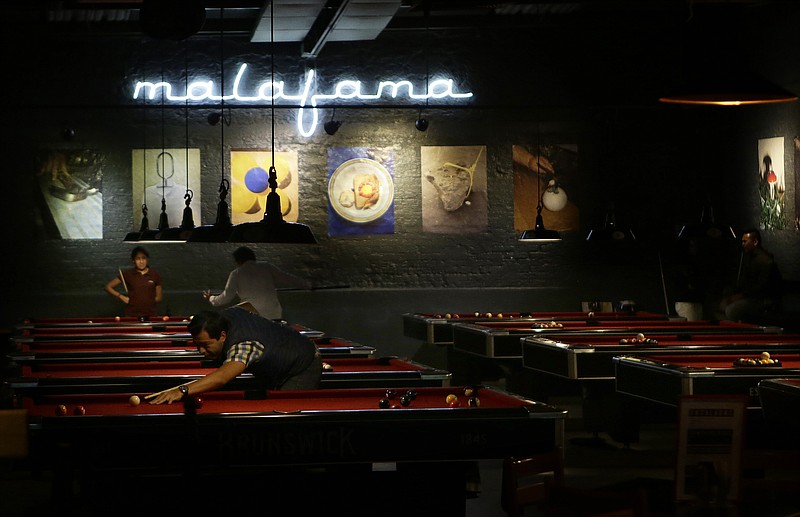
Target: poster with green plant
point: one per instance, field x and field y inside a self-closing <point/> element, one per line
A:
<point x="772" y="183"/>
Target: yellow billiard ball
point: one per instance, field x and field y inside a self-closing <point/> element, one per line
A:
<point x="134" y="400"/>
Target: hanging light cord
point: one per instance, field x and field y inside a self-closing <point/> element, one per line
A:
<point x="188" y="219"/>
<point x="272" y="211"/>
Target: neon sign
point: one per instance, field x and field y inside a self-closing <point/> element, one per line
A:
<point x="269" y="91"/>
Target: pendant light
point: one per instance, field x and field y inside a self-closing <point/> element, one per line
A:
<point x="706" y="227"/>
<point x="157" y="235"/>
<point x="715" y="71"/>
<point x="272" y="228"/>
<point x="133" y="237"/>
<point x="610" y="231"/>
<point x="221" y="229"/>
<point x="181" y="233"/>
<point x="539" y="233"/>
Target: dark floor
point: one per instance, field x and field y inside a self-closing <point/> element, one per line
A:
<point x="591" y="462"/>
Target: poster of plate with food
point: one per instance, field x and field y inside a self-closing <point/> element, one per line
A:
<point x="361" y="190"/>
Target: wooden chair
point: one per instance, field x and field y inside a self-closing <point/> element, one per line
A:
<point x="539" y="481"/>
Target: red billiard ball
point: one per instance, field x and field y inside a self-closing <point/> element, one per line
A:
<point x="61" y="410"/>
<point x="454" y="403"/>
<point x="79" y="410"/>
<point x="165" y="318"/>
<point x="198" y="402"/>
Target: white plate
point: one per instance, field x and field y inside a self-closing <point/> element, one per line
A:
<point x="341" y="184"/>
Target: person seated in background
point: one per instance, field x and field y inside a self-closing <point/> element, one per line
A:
<point x="757" y="289"/>
<point x="255" y="284"/>
<point x="238" y="341"/>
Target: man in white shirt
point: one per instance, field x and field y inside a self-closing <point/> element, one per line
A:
<point x="256" y="283"/>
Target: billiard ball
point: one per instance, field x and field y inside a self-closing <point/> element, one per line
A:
<point x="639" y="337"/>
<point x="391" y="394"/>
<point x="327" y="366"/>
<point x="450" y="398"/>
<point x="116" y="318"/>
<point x="468" y="391"/>
<point x="61" y="410"/>
<point x="79" y="410"/>
<point x="474" y="402"/>
<point x="90" y="322"/>
<point x="412" y="394"/>
<point x="384" y="404"/>
<point x="143" y="318"/>
<point x="488" y="314"/>
<point x="405" y="401"/>
<point x="454" y="403"/>
<point x="395" y="406"/>
<point x="165" y="318"/>
<point x="134" y="400"/>
<point x="198" y="402"/>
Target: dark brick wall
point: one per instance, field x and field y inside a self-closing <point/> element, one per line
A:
<point x="591" y="86"/>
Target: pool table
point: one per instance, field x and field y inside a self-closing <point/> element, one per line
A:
<point x="424" y="449"/>
<point x="590" y="357"/>
<point x="120" y="333"/>
<point x="664" y="378"/>
<point x="121" y="351"/>
<point x="96" y="321"/>
<point x="436" y="328"/>
<point x="503" y="339"/>
<point x="40" y="378"/>
<point x="780" y="403"/>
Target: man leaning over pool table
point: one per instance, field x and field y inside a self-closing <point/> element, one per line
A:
<point x="238" y="341"/>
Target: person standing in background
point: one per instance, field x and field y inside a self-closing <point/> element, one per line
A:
<point x="256" y="283"/>
<point x="142" y="286"/>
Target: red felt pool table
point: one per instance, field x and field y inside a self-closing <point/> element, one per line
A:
<point x="436" y="328"/>
<point x="153" y="350"/>
<point x="120" y="333"/>
<point x="503" y="339"/>
<point x="425" y="447"/>
<point x="665" y="378"/>
<point x="590" y="357"/>
<point x="37" y="379"/>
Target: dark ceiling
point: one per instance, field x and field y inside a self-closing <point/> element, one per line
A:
<point x="315" y="22"/>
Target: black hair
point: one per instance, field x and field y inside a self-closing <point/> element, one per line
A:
<point x="243" y="254"/>
<point x="212" y="322"/>
<point x="755" y="233"/>
<point x="139" y="249"/>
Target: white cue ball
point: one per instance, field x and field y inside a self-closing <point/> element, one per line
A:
<point x="134" y="400"/>
<point x="116" y="318"/>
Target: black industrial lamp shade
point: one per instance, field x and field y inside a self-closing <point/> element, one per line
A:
<point x="727" y="87"/>
<point x="272" y="228"/>
<point x="706" y="228"/>
<point x="281" y="232"/>
<point x="539" y="233"/>
<point x="610" y="232"/>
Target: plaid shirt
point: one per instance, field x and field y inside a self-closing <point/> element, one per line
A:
<point x="246" y="352"/>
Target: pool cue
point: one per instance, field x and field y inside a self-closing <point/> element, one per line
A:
<point x="154" y="395"/>
<point x="663" y="283"/>
<point x="121" y="277"/>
